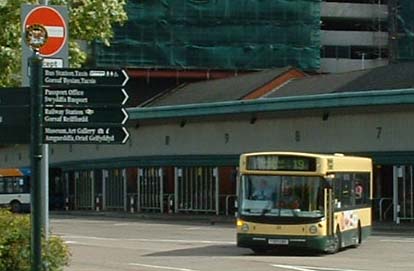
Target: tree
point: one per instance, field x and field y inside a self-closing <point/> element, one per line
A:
<point x="89" y="20"/>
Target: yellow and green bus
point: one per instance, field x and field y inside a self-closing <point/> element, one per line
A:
<point x="316" y="201"/>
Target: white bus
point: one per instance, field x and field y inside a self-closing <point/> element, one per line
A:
<point x="15" y="188"/>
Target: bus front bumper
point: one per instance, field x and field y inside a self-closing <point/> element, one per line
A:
<point x="256" y="241"/>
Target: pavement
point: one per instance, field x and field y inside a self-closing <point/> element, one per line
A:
<point x="389" y="227"/>
<point x="182" y="217"/>
<point x="383" y="227"/>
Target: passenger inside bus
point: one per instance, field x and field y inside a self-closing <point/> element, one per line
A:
<point x="289" y="200"/>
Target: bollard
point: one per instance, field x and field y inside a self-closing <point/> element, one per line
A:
<point x="67" y="204"/>
<point x="171" y="203"/>
<point x="97" y="204"/>
<point x="398" y="214"/>
<point x="132" y="204"/>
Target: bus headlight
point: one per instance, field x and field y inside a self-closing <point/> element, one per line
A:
<point x="313" y="229"/>
<point x="245" y="227"/>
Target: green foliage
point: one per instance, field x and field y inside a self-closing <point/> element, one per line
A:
<point x="15" y="245"/>
<point x="89" y="20"/>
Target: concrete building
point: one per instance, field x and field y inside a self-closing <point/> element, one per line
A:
<point x="183" y="153"/>
<point x="325" y="36"/>
<point x="354" y="35"/>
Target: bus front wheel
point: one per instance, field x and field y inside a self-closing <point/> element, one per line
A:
<point x="15" y="206"/>
<point x="335" y="244"/>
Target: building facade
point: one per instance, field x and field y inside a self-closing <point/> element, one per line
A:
<point x="184" y="158"/>
<point x="182" y="155"/>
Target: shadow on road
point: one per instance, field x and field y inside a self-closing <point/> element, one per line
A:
<point x="213" y="250"/>
<point x="231" y="250"/>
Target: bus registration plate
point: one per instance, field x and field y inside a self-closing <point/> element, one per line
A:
<point x="278" y="241"/>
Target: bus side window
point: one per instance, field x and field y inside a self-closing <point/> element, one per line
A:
<point x="343" y="190"/>
<point x="9" y="185"/>
<point x="20" y="185"/>
<point x="359" y="192"/>
<point x="361" y="188"/>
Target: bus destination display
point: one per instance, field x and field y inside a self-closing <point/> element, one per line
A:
<point x="281" y="163"/>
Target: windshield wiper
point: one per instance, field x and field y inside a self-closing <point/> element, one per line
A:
<point x="265" y="211"/>
<point x="294" y="212"/>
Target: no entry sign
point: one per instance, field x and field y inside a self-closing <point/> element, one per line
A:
<point x="55" y="52"/>
<point x="55" y="25"/>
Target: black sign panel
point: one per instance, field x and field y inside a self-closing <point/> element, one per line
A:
<point x="14" y="115"/>
<point x="84" y="115"/>
<point x="15" y="134"/>
<point x="85" y="77"/>
<point x="14" y="96"/>
<point x="86" y="96"/>
<point x="86" y="135"/>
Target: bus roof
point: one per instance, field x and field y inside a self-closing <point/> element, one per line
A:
<point x="336" y="162"/>
<point x="14" y="172"/>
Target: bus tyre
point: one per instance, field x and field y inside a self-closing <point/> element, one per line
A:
<point x="15" y="206"/>
<point x="335" y="245"/>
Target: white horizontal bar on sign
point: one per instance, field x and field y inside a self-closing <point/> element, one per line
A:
<point x="55" y="31"/>
<point x="52" y="63"/>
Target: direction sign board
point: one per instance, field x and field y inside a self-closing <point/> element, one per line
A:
<point x="85" y="106"/>
<point x="86" y="135"/>
<point x="14" y="115"/>
<point x="15" y="134"/>
<point x="87" y="96"/>
<point x="14" y="96"/>
<point x="85" y="77"/>
<point x="84" y="115"/>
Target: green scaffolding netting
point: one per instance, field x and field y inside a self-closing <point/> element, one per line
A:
<point x="406" y="25"/>
<point x="216" y="34"/>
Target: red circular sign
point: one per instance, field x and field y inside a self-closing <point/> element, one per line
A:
<point x="54" y="24"/>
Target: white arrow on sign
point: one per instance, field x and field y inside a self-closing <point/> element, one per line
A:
<point x="126" y="96"/>
<point x="126" y="135"/>
<point x="125" y="114"/>
<point x="126" y="77"/>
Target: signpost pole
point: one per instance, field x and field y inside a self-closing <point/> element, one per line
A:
<point x="36" y="116"/>
<point x="45" y="177"/>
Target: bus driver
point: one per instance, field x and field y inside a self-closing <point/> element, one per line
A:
<point x="263" y="192"/>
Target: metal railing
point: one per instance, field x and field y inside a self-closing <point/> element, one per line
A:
<point x="382" y="213"/>
<point x="228" y="197"/>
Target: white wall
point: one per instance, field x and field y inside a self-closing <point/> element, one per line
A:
<point x="354" y="11"/>
<point x="336" y="65"/>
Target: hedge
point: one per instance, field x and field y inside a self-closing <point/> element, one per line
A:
<point x="15" y="241"/>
